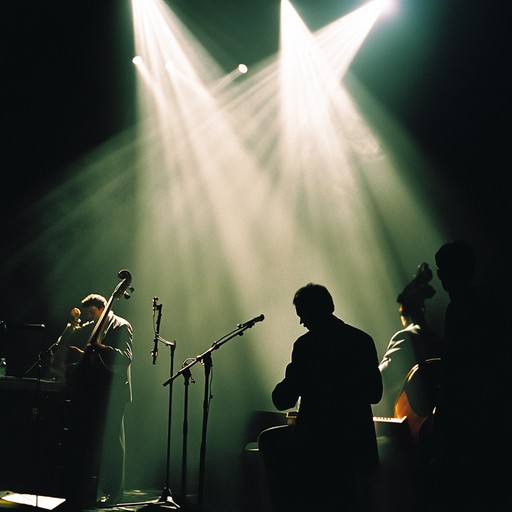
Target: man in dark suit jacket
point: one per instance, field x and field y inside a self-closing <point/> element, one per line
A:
<point x="334" y="370"/>
<point x="471" y="433"/>
<point x="99" y="389"/>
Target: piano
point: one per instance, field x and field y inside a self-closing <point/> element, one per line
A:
<point x="31" y="435"/>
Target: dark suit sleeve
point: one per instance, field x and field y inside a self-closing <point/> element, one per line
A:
<point x="367" y="376"/>
<point x="287" y="392"/>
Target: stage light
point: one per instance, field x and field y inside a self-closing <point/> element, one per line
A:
<point x="242" y="68"/>
<point x="385" y="6"/>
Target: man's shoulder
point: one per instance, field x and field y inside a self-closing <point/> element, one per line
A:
<point x="355" y="331"/>
<point x="119" y="321"/>
<point x="407" y="332"/>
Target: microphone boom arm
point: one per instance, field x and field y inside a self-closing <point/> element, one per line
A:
<point x="240" y="329"/>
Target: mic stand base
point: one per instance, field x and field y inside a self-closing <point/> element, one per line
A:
<point x="165" y="502"/>
<point x="160" y="505"/>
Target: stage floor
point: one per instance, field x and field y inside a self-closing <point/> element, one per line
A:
<point x="149" y="500"/>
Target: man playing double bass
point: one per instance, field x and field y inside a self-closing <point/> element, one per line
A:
<point x="98" y="389"/>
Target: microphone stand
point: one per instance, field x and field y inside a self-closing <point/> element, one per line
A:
<point x="205" y="358"/>
<point x="36" y="404"/>
<point x="207" y="363"/>
<point x="36" y="408"/>
<point x="42" y="355"/>
<point x="187" y="375"/>
<point x="165" y="501"/>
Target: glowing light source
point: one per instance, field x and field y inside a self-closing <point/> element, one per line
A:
<point x="385" y="6"/>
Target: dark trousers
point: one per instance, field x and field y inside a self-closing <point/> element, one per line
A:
<point x="300" y="479"/>
<point x="95" y="453"/>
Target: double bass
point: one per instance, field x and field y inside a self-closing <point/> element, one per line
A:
<point x="417" y="402"/>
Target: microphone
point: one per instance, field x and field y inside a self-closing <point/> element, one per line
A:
<point x="156" y="307"/>
<point x="74" y="317"/>
<point x="73" y="324"/>
<point x="250" y="323"/>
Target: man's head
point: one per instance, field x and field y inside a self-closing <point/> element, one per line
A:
<point x="94" y="305"/>
<point x="313" y="304"/>
<point x="456" y="264"/>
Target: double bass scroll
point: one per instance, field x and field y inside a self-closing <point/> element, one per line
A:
<point x="121" y="290"/>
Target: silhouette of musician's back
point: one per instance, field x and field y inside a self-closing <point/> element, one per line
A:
<point x="471" y="444"/>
